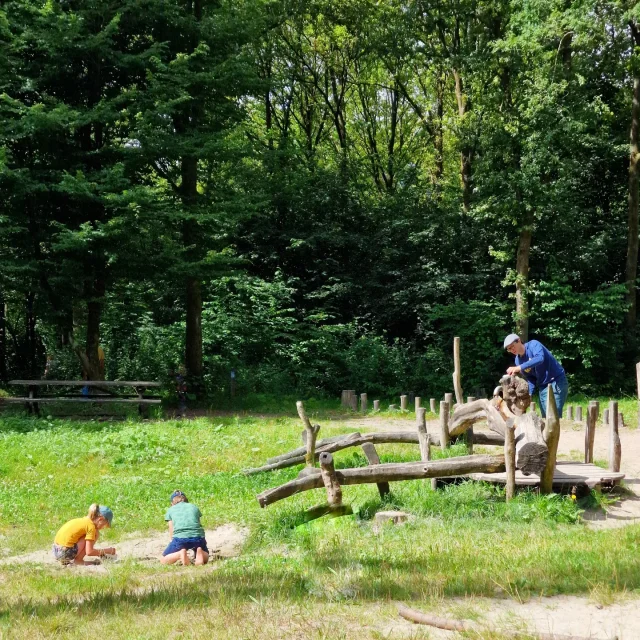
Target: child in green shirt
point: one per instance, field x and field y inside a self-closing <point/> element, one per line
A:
<point x="186" y="532"/>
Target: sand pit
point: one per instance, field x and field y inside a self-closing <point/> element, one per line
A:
<point x="224" y="542"/>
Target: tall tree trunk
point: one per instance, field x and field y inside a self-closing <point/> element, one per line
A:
<point x="193" y="338"/>
<point x="465" y="153"/>
<point x="522" y="277"/>
<point x="95" y="304"/>
<point x="631" y="270"/>
<point x="439" y="130"/>
<point x="3" y="340"/>
<point x="31" y="335"/>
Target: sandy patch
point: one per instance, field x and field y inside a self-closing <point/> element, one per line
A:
<point x="224" y="542"/>
<point x="564" y="615"/>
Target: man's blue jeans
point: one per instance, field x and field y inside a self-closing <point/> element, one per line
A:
<point x="560" y="388"/>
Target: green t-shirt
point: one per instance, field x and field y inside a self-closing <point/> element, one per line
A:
<point x="186" y="520"/>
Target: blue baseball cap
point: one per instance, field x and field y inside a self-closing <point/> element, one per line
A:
<point x="106" y="513"/>
<point x="510" y="339"/>
<point x="177" y="494"/>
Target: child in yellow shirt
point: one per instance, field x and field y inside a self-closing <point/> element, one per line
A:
<point x="76" y="539"/>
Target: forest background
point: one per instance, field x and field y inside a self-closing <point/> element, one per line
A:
<point x="318" y="194"/>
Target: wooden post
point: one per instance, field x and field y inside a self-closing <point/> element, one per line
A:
<point x="471" y="399"/>
<point x="370" y="452"/>
<point x="615" y="449"/>
<point x="353" y="399"/>
<point x="393" y="407"/>
<point x="423" y="436"/>
<point x="444" y="425"/>
<point x="418" y="403"/>
<point x="312" y="435"/>
<point x="457" y="385"/>
<point x="334" y="491"/>
<point x="448" y="398"/>
<point x="403" y="403"/>
<point x="590" y="431"/>
<point x="552" y="437"/>
<point x="605" y="417"/>
<point x="376" y="405"/>
<point x="569" y="412"/>
<point x="579" y="413"/>
<point x="432" y="405"/>
<point x="510" y="459"/>
<point x="363" y="403"/>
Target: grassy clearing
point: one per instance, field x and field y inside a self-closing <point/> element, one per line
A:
<point x="308" y="581"/>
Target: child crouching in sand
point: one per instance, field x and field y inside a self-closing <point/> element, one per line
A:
<point x="186" y="532"/>
<point x="76" y="539"/>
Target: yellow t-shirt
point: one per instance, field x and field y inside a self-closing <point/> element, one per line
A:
<point x="71" y="532"/>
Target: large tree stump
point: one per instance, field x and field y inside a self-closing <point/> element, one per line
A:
<point x="330" y="480"/>
<point x="531" y="449"/>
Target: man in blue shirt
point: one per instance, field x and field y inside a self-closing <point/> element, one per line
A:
<point x="540" y="369"/>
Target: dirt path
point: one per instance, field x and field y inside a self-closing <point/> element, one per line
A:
<point x="224" y="542"/>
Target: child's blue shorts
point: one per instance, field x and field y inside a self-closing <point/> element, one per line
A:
<point x="178" y="544"/>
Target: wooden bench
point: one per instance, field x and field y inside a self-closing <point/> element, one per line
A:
<point x="100" y="392"/>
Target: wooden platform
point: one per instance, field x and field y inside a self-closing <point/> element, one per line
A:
<point x="567" y="474"/>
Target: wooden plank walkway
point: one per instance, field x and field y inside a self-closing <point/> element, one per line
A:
<point x="566" y="474"/>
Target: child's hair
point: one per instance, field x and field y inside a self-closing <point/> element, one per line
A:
<point x="177" y="496"/>
<point x="94" y="512"/>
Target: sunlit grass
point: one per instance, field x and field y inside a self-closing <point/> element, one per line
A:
<point x="293" y="579"/>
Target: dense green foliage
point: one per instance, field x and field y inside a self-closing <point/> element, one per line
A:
<point x="321" y="194"/>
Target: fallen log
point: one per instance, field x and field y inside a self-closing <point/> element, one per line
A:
<point x="392" y="472"/>
<point x="466" y="415"/>
<point x="451" y="624"/>
<point x="357" y="439"/>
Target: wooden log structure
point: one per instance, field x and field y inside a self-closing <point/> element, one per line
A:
<point x="444" y="426"/>
<point x="551" y="436"/>
<point x="312" y="435"/>
<point x="432" y="405"/>
<point x="569" y="412"/>
<point x="372" y="456"/>
<point x="376" y="405"/>
<point x="531" y="449"/>
<point x="330" y="480"/>
<point x="338" y="443"/>
<point x="417" y="403"/>
<point x="403" y="403"/>
<point x="448" y="398"/>
<point x="354" y="401"/>
<point x="423" y="436"/>
<point x="590" y="431"/>
<point x="615" y="448"/>
<point x="392" y="472"/>
<point x="605" y="417"/>
<point x="510" y="460"/>
<point x="579" y="413"/>
<point x="364" y="404"/>
<point x="457" y="384"/>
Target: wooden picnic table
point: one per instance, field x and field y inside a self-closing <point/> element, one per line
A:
<point x="33" y="399"/>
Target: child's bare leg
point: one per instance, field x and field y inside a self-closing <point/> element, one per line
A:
<point x="82" y="543"/>
<point x="202" y="557"/>
<point x="171" y="558"/>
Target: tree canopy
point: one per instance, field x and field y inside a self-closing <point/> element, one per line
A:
<point x="318" y="194"/>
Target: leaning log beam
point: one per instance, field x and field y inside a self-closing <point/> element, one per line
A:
<point x="389" y="473"/>
<point x="357" y="439"/>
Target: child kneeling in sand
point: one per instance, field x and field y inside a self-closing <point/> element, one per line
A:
<point x="76" y="539"/>
<point x="186" y="532"/>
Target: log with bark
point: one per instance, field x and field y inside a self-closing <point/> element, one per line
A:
<point x="392" y="472"/>
<point x="531" y="449"/>
<point x="338" y="443"/>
